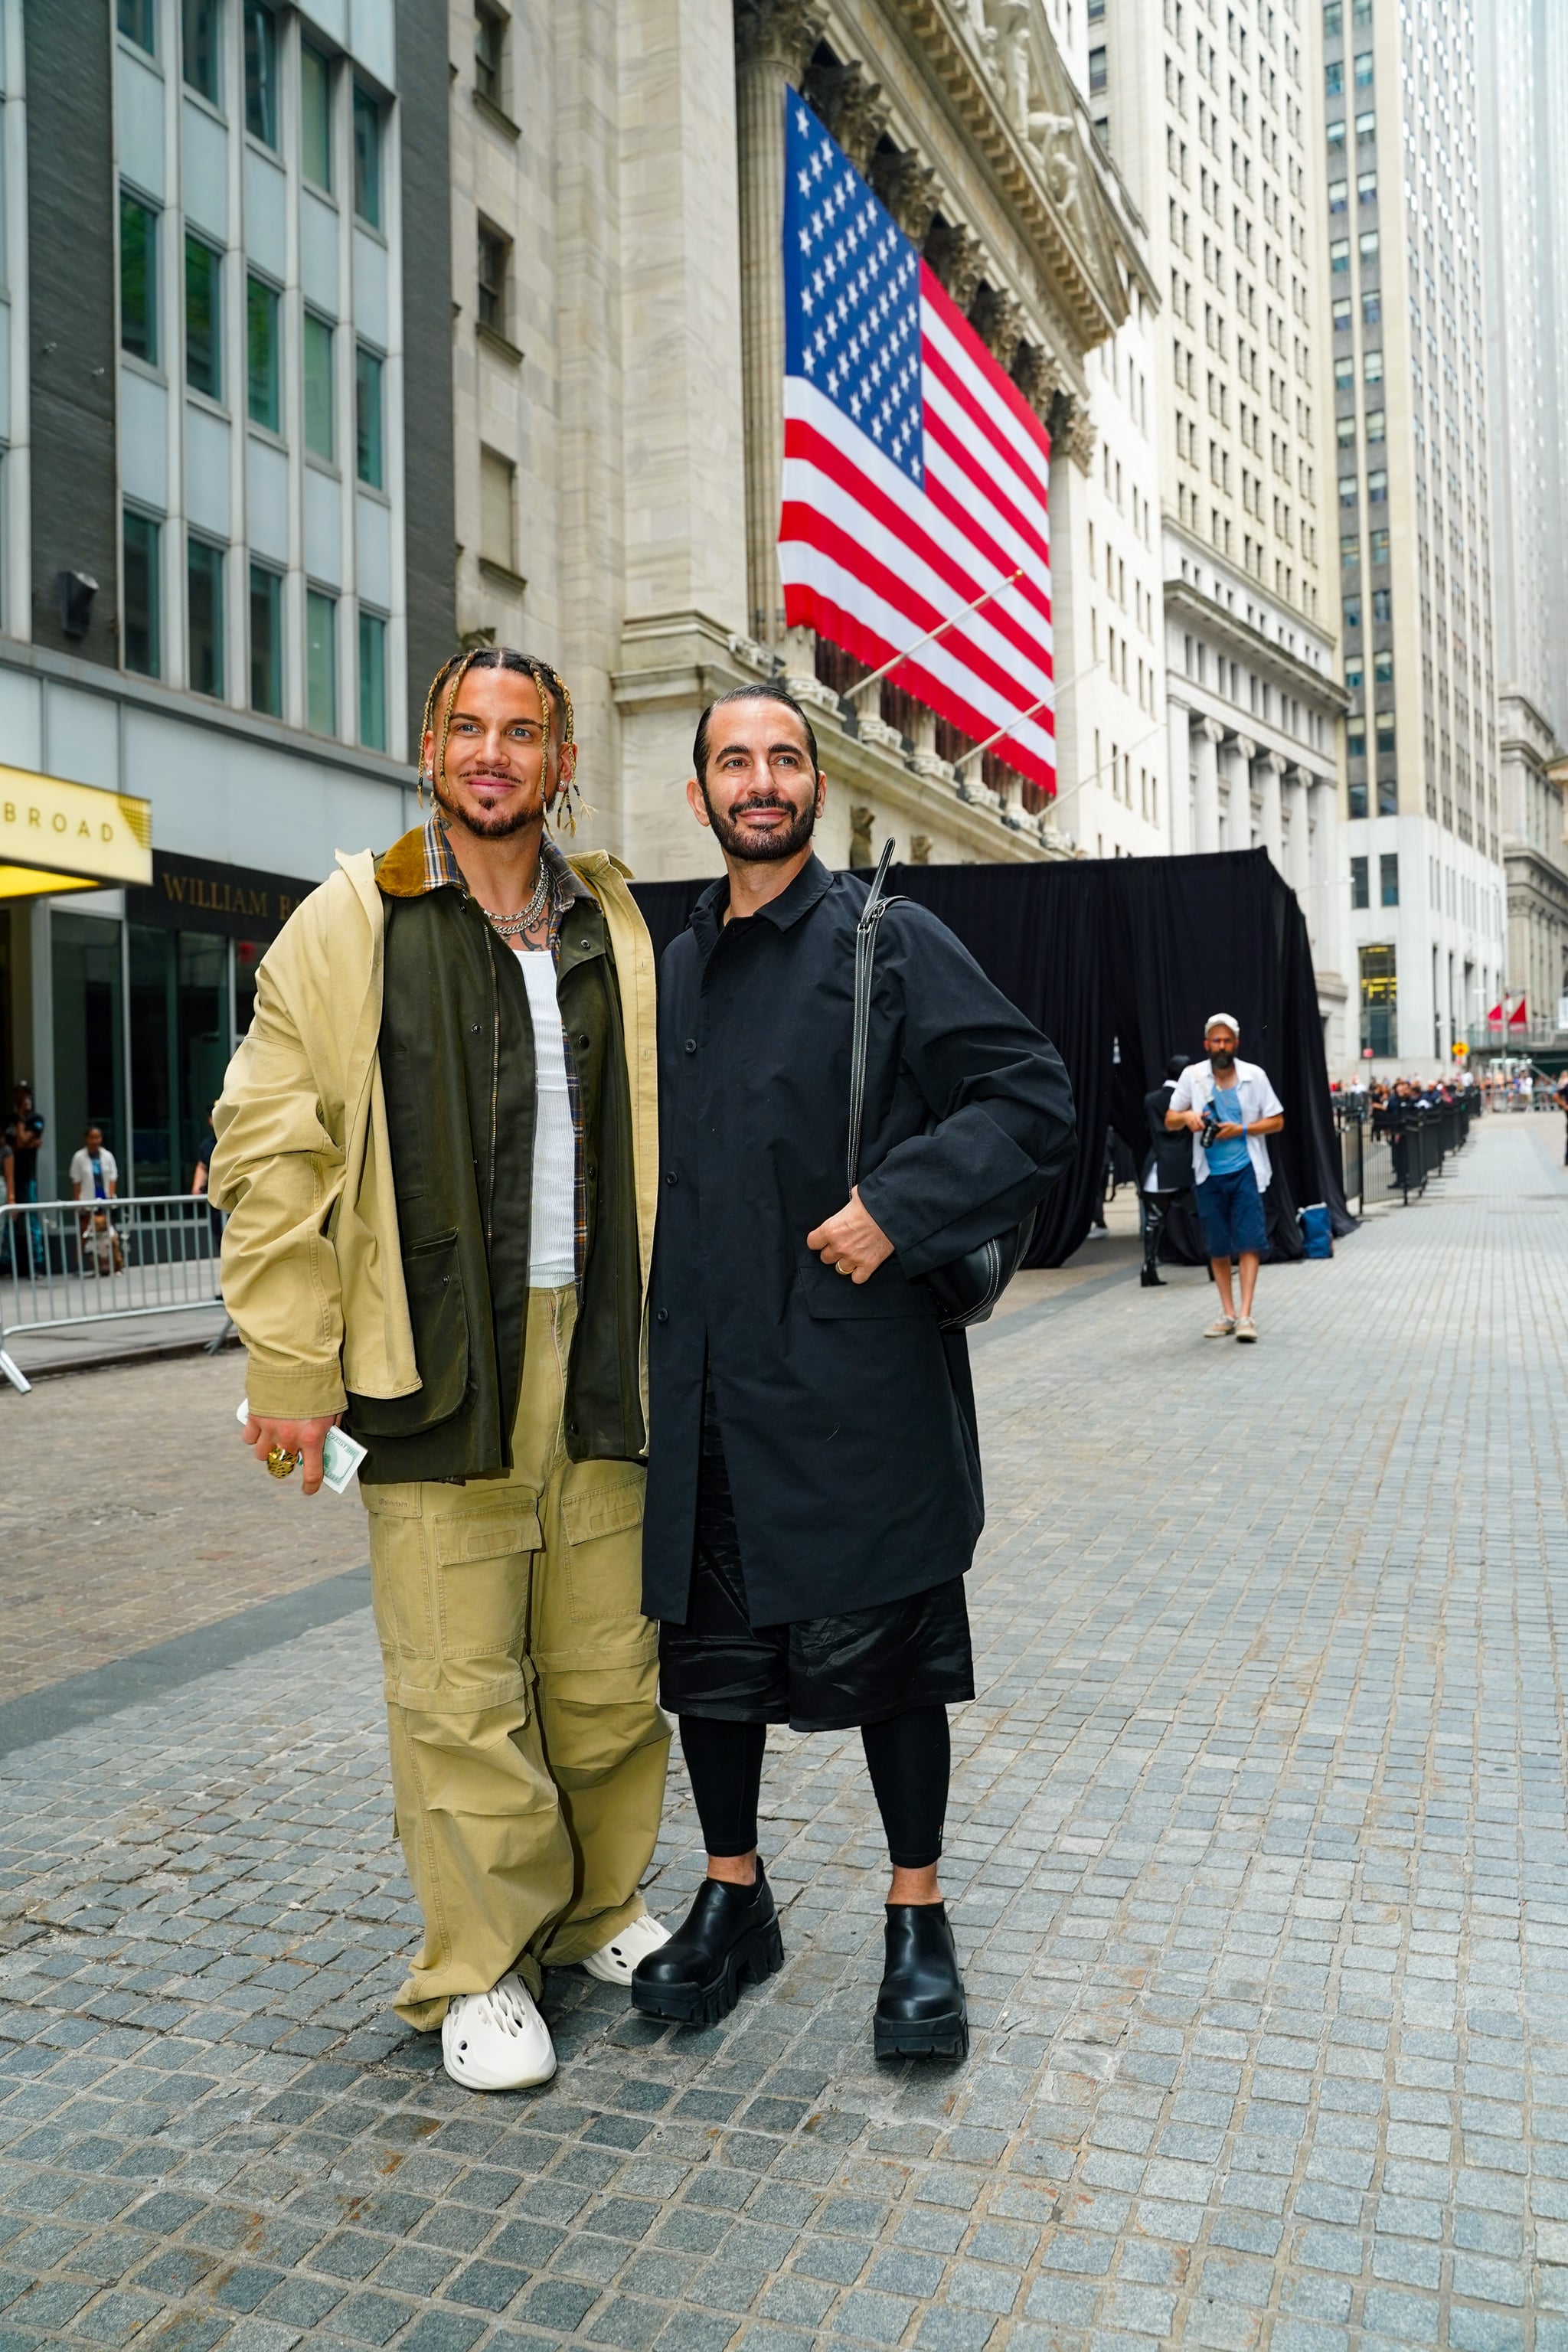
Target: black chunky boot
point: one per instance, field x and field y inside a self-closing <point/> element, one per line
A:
<point x="730" y="1936"/>
<point x="920" y="2010"/>
<point x="1150" y="1280"/>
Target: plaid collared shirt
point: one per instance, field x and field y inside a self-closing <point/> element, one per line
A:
<point x="443" y="871"/>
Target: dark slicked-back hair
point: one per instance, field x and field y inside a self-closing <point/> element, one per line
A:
<point x="699" y="749"/>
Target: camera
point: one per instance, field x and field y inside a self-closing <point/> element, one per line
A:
<point x="1209" y="1131"/>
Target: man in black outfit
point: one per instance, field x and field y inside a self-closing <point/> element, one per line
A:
<point x="1167" y="1171"/>
<point x="814" y="1475"/>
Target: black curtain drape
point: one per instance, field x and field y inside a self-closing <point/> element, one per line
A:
<point x="1121" y="961"/>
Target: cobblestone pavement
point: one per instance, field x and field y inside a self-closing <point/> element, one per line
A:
<point x="1258" y="1859"/>
<point x="131" y="1512"/>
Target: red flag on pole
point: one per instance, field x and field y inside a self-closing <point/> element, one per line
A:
<point x="1518" y="1016"/>
<point x="1496" y="1014"/>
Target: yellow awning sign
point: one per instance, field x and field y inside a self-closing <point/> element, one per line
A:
<point x="74" y="835"/>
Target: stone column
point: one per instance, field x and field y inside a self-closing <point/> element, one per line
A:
<point x="773" y="39"/>
<point x="1298" y="785"/>
<point x="1179" y="814"/>
<point x="1237" y="755"/>
<point x="1271" y="768"/>
<point x="1207" y="738"/>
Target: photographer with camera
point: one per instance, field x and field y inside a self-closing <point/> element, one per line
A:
<point x="1230" y="1106"/>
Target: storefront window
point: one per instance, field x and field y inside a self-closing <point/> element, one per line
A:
<point x="179" y="1048"/>
<point x="89" y="1024"/>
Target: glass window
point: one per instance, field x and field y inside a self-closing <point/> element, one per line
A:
<point x="490" y="53"/>
<point x="261" y="72"/>
<point x="1344" y="431"/>
<point x="372" y="682"/>
<point x="204" y="339"/>
<point x="1099" y="75"/>
<point x="262" y="371"/>
<point x="1353" y="673"/>
<point x="138" y="280"/>
<point x="1383" y="603"/>
<point x="266" y="640"/>
<point x="1349" y="551"/>
<point x="368" y="461"/>
<point x="1361" y="14"/>
<point x="1359" y="895"/>
<point x="1383" y="668"/>
<point x="1333" y="18"/>
<point x="1366" y="125"/>
<point x="1352" y="612"/>
<point x="1385" y="734"/>
<point x="1368" y="243"/>
<point x="1377" y="424"/>
<point x="1334" y="79"/>
<point x="200" y="32"/>
<point x="1372" y="367"/>
<point x="367" y="158"/>
<point x="1372" y="309"/>
<point x="317" y="386"/>
<point x="1339" y="254"/>
<point x="203" y="615"/>
<point x="1336" y="138"/>
<point x="315" y="116"/>
<point x="1339" y="195"/>
<point x="320" y="662"/>
<point x="1379" y="1000"/>
<point x="498" y="516"/>
<point x="1377" y="487"/>
<point x="1355" y="739"/>
<point x="136" y="20"/>
<point x="89" y="1031"/>
<point x="139" y="631"/>
<point x="1366" y="188"/>
<point x="1363" y="70"/>
<point x="1348" y="488"/>
<point x="1388" y="878"/>
<point x="1344" y="373"/>
<point x="494" y="251"/>
<point x="1341" y="310"/>
<point x="1357" y="799"/>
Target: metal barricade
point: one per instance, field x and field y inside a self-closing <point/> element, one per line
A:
<point x="67" y="1263"/>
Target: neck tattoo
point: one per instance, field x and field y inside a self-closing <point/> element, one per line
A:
<point x="511" y="927"/>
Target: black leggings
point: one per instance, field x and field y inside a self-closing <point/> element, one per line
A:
<point x="908" y="1757"/>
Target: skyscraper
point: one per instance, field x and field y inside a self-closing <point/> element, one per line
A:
<point x="1214" y="118"/>
<point x="1411" y="466"/>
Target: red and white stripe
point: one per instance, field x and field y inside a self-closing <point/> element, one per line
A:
<point x="873" y="562"/>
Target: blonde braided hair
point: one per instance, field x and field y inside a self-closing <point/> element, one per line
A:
<point x="552" y="687"/>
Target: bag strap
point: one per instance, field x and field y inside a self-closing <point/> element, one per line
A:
<point x="866" y="931"/>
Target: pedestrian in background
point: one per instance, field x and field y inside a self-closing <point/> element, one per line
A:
<point x="1167" y="1171"/>
<point x="1229" y="1107"/>
<point x="25" y="1133"/>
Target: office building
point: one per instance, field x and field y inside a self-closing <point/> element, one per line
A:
<point x="1411" y="457"/>
<point x="1211" y="112"/>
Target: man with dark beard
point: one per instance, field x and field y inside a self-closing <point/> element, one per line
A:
<point x="437" y="1146"/>
<point x="813" y="1474"/>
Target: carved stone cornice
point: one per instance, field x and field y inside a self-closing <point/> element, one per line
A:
<point x="908" y="188"/>
<point x="1071" y="427"/>
<point x="1038" y="377"/>
<point x="958" y="257"/>
<point x="778" y="33"/>
<point x="1040" y="162"/>
<point x="848" y="106"/>
<point x="998" y="321"/>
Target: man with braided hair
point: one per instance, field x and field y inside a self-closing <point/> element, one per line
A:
<point x="438" y="1145"/>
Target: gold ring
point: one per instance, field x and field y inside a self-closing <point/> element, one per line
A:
<point x="843" y="1266"/>
<point x="281" y="1463"/>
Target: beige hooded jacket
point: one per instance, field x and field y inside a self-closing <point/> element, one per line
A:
<point x="312" y="1270"/>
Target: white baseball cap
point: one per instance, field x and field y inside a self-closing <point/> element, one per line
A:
<point x="1223" y="1021"/>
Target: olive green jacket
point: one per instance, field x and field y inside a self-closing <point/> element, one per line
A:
<point x="312" y="1272"/>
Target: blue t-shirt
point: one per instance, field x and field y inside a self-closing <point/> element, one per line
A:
<point x="1227" y="1153"/>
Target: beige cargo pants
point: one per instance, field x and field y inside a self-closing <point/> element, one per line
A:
<point x="528" y="1749"/>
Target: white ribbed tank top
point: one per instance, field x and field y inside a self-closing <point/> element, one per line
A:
<point x="552" y="1246"/>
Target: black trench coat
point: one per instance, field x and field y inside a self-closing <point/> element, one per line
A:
<point x="846" y="1414"/>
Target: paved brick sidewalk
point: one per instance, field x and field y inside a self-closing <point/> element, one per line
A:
<point x="1260" y="1864"/>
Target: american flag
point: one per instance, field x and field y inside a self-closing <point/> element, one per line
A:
<point x="915" y="472"/>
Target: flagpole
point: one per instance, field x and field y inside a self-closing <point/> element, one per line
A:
<point x="979" y="748"/>
<point x="940" y="631"/>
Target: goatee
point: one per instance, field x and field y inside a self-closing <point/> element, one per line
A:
<point x="486" y="827"/>
<point x="762" y="848"/>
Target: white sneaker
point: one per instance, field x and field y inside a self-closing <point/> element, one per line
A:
<point x="496" y="2041"/>
<point x="613" y="1962"/>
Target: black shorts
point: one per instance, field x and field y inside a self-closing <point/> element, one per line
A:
<point x="820" y="1673"/>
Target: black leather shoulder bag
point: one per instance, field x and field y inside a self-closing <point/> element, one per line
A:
<point x="967" y="1288"/>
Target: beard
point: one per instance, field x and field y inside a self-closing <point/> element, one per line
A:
<point x="766" y="849"/>
<point x="1222" y="1061"/>
<point x="486" y="825"/>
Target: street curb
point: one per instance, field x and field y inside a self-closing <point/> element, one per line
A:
<point x="163" y="1354"/>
